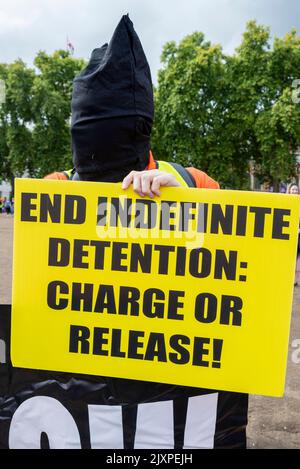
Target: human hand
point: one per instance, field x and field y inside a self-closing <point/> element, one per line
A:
<point x="149" y="182"/>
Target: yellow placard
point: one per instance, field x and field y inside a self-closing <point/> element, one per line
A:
<point x="193" y="288"/>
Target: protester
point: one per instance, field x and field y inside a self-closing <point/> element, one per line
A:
<point x="7" y="207"/>
<point x="266" y="186"/>
<point x="292" y="188"/>
<point x="112" y="118"/>
<point x="4" y="199"/>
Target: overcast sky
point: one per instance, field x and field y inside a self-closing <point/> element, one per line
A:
<point x="27" y="26"/>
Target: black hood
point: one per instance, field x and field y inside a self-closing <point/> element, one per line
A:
<point x="112" y="109"/>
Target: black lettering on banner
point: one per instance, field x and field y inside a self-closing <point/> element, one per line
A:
<point x="164" y="252"/>
<point x="79" y="253"/>
<point x="167" y="215"/>
<point x="217" y="351"/>
<point x="226" y="265"/>
<point x="108" y="342"/>
<point x="75" y="209"/>
<point x="134" y="344"/>
<point x="100" y="253"/>
<point x="59" y="252"/>
<point x="202" y="218"/>
<point x="49" y="207"/>
<point x="54" y="289"/>
<point x="151" y="308"/>
<point x="202" y="270"/>
<point x="259" y="220"/>
<point x="180" y="260"/>
<point x="148" y="221"/>
<point x="128" y="299"/>
<point x="231" y="308"/>
<point x="174" y="304"/>
<point x="141" y="259"/>
<point x="186" y="215"/>
<point x="99" y="340"/>
<point x="241" y="220"/>
<point x="199" y="351"/>
<point x="79" y="336"/>
<point x="219" y="218"/>
<point x="27" y="206"/>
<point x="119" y="212"/>
<point x="206" y="307"/>
<point x="182" y="356"/>
<point x="84" y="296"/>
<point x="105" y="300"/>
<point x="118" y="255"/>
<point x="102" y="211"/>
<point x="156" y="347"/>
<point x="116" y="344"/>
<point x="279" y="223"/>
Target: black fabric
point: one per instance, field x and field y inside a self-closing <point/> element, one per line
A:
<point x="112" y="109"/>
<point x="108" y="150"/>
<point x="77" y="391"/>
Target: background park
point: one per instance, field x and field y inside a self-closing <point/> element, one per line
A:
<point x="235" y="116"/>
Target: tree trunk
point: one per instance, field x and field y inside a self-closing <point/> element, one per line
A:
<point x="12" y="183"/>
<point x="276" y="185"/>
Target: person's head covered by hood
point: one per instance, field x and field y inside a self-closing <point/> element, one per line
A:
<point x="112" y="109"/>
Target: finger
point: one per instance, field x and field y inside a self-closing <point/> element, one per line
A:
<point x="128" y="180"/>
<point x="146" y="180"/>
<point x="163" y="179"/>
<point x="157" y="182"/>
<point x="136" y="184"/>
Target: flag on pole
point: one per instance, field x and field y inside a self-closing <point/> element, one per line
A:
<point x="70" y="46"/>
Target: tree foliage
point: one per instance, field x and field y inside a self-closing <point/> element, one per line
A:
<point x="215" y="111"/>
<point x="220" y="112"/>
<point x="34" y="119"/>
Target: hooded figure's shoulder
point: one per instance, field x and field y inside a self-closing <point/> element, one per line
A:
<point x="202" y="179"/>
<point x="58" y="175"/>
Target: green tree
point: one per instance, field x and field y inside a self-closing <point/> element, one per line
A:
<point x="187" y="101"/>
<point x="4" y="151"/>
<point x="35" y="117"/>
<point x="219" y="112"/>
<point x="16" y="120"/>
<point x="51" y="108"/>
<point x="277" y="127"/>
